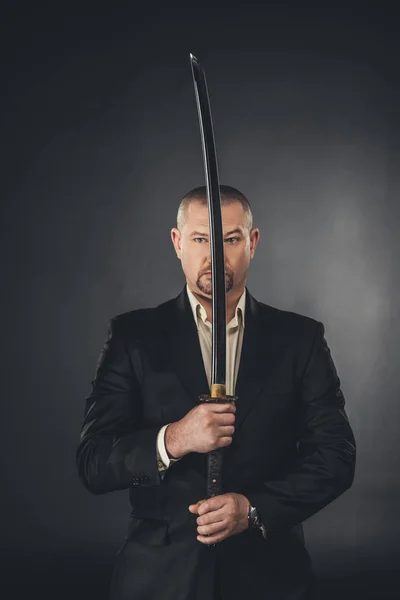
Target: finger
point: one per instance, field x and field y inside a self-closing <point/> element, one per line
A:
<point x="211" y="504"/>
<point x="226" y="418"/>
<point x="213" y="539"/>
<point x="214" y="516"/>
<point x="225" y="407"/>
<point x="224" y="440"/>
<point x="195" y="507"/>
<point x="212" y="528"/>
<point x="226" y="431"/>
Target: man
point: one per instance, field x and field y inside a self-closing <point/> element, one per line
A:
<point x="288" y="447"/>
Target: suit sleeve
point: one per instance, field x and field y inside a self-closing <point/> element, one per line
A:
<point x="115" y="451"/>
<point x="325" y="462"/>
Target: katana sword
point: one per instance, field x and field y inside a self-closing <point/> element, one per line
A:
<point x="218" y="367"/>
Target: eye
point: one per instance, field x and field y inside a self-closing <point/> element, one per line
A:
<point x="237" y="239"/>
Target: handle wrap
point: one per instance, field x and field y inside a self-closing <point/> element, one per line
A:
<point x="214" y="458"/>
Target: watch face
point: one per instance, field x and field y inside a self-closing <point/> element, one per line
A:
<point x="255" y="519"/>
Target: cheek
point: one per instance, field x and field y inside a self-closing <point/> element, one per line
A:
<point x="238" y="260"/>
<point x="195" y="255"/>
<point x="191" y="263"/>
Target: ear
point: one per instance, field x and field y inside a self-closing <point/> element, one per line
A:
<point x="254" y="239"/>
<point x="176" y="240"/>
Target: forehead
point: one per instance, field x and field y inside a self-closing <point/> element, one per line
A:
<point x="233" y="216"/>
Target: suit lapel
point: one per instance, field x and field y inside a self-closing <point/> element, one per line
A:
<point x="248" y="384"/>
<point x="184" y="351"/>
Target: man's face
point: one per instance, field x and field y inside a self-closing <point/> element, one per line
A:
<point x="193" y="248"/>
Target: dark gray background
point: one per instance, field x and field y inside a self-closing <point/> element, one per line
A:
<point x="99" y="142"/>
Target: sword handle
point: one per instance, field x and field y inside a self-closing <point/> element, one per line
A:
<point x="215" y="457"/>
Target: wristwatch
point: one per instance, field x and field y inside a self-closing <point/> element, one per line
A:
<point x="254" y="518"/>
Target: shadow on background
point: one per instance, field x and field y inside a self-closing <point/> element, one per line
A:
<point x="46" y="574"/>
<point x="365" y="580"/>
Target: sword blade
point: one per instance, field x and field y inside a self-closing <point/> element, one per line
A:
<point x="218" y="365"/>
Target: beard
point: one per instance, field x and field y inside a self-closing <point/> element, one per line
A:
<point x="205" y="283"/>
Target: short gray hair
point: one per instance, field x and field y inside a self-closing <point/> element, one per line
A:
<point x="228" y="195"/>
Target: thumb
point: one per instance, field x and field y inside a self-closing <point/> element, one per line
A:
<point x="194" y="507"/>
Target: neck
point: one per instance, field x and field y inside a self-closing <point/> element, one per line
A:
<point x="232" y="299"/>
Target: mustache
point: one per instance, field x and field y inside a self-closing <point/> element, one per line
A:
<point x="209" y="270"/>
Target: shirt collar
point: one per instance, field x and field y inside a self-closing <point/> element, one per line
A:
<point x="199" y="310"/>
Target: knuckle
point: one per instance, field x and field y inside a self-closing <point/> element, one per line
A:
<point x="203" y="408"/>
<point x="208" y="419"/>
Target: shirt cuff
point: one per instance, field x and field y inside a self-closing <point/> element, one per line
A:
<point x="163" y="460"/>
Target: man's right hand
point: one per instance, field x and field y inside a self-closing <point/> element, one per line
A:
<point x="206" y="427"/>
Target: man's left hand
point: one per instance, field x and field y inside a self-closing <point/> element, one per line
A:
<point x="221" y="516"/>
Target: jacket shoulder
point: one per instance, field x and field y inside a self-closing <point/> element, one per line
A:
<point x="289" y="321"/>
<point x="142" y="320"/>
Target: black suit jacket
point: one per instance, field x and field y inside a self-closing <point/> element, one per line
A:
<point x="293" y="451"/>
